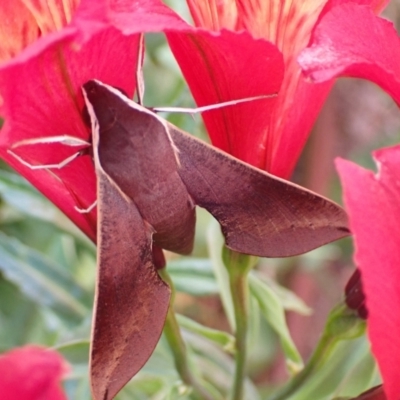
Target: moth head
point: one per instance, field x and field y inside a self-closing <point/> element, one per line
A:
<point x="97" y="95"/>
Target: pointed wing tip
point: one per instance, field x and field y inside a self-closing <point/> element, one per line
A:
<point x="295" y="243"/>
<point x="100" y="394"/>
<point x="105" y="391"/>
<point x="111" y="371"/>
<point x="100" y="382"/>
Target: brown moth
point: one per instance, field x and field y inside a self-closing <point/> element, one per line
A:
<point x="151" y="175"/>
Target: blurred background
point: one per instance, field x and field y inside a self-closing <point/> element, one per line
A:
<point x="47" y="267"/>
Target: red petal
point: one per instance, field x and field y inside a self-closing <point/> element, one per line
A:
<point x="373" y="203"/>
<point x="277" y="131"/>
<point x="294" y="116"/>
<point x="221" y="67"/>
<point x="268" y="134"/>
<point x="351" y="41"/>
<point x="129" y="16"/>
<point x="42" y="97"/>
<point x="32" y="373"/>
<point x="280" y="128"/>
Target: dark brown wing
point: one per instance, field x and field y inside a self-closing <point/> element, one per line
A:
<point x="259" y="213"/>
<point x="131" y="300"/>
<point x="136" y="152"/>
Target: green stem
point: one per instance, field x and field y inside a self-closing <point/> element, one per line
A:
<point x="178" y="347"/>
<point x="238" y="266"/>
<point x="238" y="285"/>
<point x="342" y="324"/>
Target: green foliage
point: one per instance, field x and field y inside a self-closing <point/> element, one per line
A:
<point x="43" y="281"/>
<point x="193" y="276"/>
<point x="273" y="311"/>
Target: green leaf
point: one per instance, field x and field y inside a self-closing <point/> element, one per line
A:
<point x="215" y="245"/>
<point x="161" y="362"/>
<point x="360" y="378"/>
<point x="42" y="280"/>
<point x="22" y="321"/>
<point x="349" y="370"/>
<point x="179" y="391"/>
<point x="289" y="300"/>
<point x="143" y="388"/>
<point x="274" y="313"/>
<point x="18" y="193"/>
<point x="193" y="276"/>
<point x="254" y="325"/>
<point x="223" y="339"/>
<point x="215" y="366"/>
<point x="75" y="352"/>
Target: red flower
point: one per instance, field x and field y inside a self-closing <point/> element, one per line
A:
<point x="32" y="373"/>
<point x="373" y="204"/>
<point x="247" y="48"/>
<point x="40" y="89"/>
<point x="352" y="41"/>
<point x="48" y="53"/>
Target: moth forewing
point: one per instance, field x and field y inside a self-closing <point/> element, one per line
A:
<point x="259" y="213"/>
<point x="95" y="143"/>
<point x="136" y="151"/>
<point x="139" y="108"/>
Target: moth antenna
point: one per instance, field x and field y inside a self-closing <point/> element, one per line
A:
<point x="62" y="164"/>
<point x="62" y="139"/>
<point x="140" y="87"/>
<point x="86" y="210"/>
<point x="197" y="110"/>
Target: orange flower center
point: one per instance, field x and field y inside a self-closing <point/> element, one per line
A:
<point x="24" y="21"/>
<point x="287" y="23"/>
